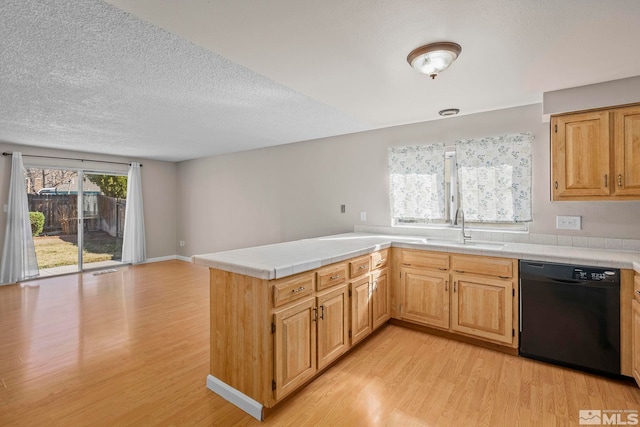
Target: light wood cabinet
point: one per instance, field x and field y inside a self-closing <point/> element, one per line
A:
<point x="484" y="299"/>
<point x="294" y="346"/>
<point x="292" y="288"/>
<point x="635" y="361"/>
<point x="476" y="297"/>
<point x="595" y="155"/>
<point x="333" y="324"/>
<point x="359" y="266"/>
<point x="361" y="319"/>
<point x="627" y="151"/>
<point x="635" y="330"/>
<point x="331" y="275"/>
<point x="370" y="294"/>
<point x="380" y="298"/>
<point x="311" y="334"/>
<point x="425" y="297"/>
<point x="481" y="306"/>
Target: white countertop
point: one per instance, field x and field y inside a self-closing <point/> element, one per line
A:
<point x="285" y="259"/>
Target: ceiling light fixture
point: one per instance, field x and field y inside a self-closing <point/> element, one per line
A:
<point x="449" y="112"/>
<point x="433" y="58"/>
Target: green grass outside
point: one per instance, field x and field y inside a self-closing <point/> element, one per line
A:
<point x="58" y="251"/>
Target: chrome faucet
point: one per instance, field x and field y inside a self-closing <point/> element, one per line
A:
<point x="460" y="212"/>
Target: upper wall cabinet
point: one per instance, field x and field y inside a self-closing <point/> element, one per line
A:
<point x="596" y="155"/>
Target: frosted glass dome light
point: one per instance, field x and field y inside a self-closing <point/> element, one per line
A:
<point x="434" y="58"/>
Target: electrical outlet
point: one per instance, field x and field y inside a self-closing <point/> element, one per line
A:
<point x="568" y="222"/>
<point x="363" y="216"/>
<point x="182" y="243"/>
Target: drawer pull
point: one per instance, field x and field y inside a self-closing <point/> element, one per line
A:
<point x="503" y="277"/>
<point x="362" y="267"/>
<point x="606" y="181"/>
<point x="380" y="262"/>
<point x="315" y="314"/>
<point x="620" y="180"/>
<point x="336" y="277"/>
<point x="455" y="286"/>
<point x="322" y="311"/>
<point x="638" y="292"/>
<point x="446" y="285"/>
<point x="443" y="269"/>
<point x="406" y="264"/>
<point x="300" y="289"/>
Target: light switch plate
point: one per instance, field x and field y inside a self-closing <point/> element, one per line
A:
<point x="568" y="222"/>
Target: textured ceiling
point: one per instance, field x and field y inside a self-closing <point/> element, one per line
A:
<point x="175" y="80"/>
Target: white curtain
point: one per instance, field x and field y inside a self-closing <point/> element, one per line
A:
<point x="133" y="244"/>
<point x="19" y="255"/>
<point x="416" y="182"/>
<point x="494" y="178"/>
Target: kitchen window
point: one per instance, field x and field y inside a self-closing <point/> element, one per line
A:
<point x="489" y="178"/>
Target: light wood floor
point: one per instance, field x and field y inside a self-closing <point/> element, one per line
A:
<point x="131" y="348"/>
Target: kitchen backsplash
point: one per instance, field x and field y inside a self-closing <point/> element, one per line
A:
<point x="536" y="239"/>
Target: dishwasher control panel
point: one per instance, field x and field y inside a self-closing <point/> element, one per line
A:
<point x="593" y="274"/>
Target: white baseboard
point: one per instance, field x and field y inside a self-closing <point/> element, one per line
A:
<point x="167" y="258"/>
<point x="232" y="395"/>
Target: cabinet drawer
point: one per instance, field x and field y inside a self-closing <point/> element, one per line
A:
<point x="636" y="287"/>
<point x="331" y="275"/>
<point x="425" y="259"/>
<point x="360" y="266"/>
<point x="380" y="259"/>
<point x="292" y="288"/>
<point x="489" y="266"/>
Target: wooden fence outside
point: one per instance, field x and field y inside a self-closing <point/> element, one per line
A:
<point x="60" y="211"/>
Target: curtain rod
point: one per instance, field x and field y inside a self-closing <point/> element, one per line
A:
<point x="70" y="158"/>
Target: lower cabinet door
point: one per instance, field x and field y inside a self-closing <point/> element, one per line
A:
<point x="635" y="361"/>
<point x="294" y="346"/>
<point x="425" y="297"/>
<point x="380" y="297"/>
<point x="333" y="325"/>
<point x="361" y="324"/>
<point x="482" y="306"/>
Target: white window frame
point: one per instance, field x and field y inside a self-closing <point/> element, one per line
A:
<point x="452" y="180"/>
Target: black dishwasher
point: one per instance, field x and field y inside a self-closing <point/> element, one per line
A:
<point x="570" y="315"/>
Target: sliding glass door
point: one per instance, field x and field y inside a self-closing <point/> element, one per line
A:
<point x="82" y="215"/>
<point x="103" y="208"/>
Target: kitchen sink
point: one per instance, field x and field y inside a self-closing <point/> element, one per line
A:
<point x="469" y="244"/>
<point x="484" y="245"/>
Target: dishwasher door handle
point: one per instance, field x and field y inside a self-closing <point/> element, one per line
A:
<point x="568" y="281"/>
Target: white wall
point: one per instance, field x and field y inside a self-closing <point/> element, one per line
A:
<point x="158" y="191"/>
<point x="295" y="191"/>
